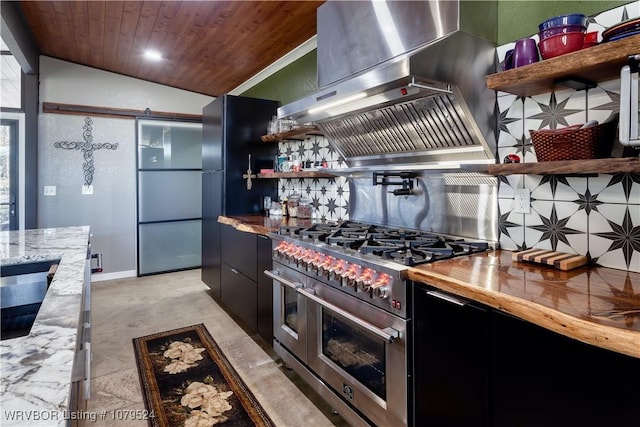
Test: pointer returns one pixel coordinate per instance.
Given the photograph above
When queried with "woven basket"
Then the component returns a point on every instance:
(574, 144)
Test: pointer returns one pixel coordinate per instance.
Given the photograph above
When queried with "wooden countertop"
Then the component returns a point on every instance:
(261, 224)
(596, 305)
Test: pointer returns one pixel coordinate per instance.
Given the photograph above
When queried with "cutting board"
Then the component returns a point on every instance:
(560, 260)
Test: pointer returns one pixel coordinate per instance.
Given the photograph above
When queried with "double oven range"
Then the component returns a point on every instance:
(342, 311)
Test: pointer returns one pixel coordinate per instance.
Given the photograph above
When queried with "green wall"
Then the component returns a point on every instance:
(516, 19)
(293, 82)
(520, 18)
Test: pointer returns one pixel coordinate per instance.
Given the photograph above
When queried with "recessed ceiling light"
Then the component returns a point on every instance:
(153, 55)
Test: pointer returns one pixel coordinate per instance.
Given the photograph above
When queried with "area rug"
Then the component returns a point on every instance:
(187, 381)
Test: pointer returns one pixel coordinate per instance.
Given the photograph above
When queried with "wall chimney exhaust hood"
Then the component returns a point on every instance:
(403, 84)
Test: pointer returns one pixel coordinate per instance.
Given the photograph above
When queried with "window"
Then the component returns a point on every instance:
(11, 80)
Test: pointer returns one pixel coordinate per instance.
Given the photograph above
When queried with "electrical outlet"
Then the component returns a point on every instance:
(49, 190)
(522, 201)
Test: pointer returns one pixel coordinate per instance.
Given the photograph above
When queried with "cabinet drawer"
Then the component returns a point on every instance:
(239, 250)
(239, 296)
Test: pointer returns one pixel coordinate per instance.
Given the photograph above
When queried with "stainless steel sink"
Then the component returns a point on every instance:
(21, 295)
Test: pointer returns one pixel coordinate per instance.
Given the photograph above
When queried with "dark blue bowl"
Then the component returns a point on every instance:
(564, 20)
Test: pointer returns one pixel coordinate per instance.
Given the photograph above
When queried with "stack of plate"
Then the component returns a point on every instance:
(624, 29)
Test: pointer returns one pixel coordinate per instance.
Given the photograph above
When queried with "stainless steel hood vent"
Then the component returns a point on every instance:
(430, 132)
(427, 108)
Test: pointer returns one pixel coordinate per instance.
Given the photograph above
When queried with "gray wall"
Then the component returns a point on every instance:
(111, 210)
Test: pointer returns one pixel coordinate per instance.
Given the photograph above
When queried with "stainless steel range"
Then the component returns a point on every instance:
(342, 311)
(412, 107)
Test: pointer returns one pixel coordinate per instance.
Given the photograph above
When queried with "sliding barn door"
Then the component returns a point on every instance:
(169, 195)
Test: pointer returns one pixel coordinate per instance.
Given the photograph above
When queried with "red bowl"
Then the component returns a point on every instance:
(590, 39)
(560, 44)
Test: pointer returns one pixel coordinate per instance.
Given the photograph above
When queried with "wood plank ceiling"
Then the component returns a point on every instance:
(208, 47)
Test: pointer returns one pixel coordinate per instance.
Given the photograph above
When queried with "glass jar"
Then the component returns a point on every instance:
(292, 205)
(304, 209)
(276, 209)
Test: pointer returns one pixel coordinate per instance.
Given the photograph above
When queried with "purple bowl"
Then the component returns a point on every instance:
(561, 30)
(563, 21)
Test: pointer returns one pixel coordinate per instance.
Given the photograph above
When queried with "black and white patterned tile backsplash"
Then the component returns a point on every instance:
(329, 196)
(595, 215)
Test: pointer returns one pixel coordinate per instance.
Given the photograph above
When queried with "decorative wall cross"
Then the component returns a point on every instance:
(249, 175)
(87, 147)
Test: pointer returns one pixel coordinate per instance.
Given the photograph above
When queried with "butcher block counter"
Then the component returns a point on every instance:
(595, 305)
(260, 224)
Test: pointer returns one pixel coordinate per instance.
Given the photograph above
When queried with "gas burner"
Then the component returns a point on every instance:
(409, 256)
(317, 232)
(401, 234)
(463, 247)
(345, 242)
(355, 226)
(315, 235)
(290, 230)
(377, 246)
(349, 238)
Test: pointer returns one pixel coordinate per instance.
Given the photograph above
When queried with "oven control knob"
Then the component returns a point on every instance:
(381, 292)
(365, 279)
(364, 286)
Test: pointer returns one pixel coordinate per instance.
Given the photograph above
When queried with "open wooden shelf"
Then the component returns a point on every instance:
(569, 167)
(303, 174)
(299, 134)
(578, 70)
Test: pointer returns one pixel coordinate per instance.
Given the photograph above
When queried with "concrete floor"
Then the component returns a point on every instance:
(128, 308)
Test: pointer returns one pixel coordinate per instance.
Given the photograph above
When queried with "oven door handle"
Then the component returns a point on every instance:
(275, 275)
(387, 334)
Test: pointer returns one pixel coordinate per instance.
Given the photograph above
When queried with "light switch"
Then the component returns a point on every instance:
(87, 189)
(49, 190)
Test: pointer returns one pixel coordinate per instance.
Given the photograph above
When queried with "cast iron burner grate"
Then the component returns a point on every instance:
(408, 256)
(317, 232)
(419, 248)
(290, 230)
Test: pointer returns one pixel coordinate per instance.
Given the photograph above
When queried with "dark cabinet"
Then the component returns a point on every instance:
(450, 360)
(478, 366)
(265, 290)
(246, 293)
(240, 251)
(239, 296)
(231, 130)
(540, 378)
(211, 209)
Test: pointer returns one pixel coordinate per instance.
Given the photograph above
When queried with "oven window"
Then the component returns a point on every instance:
(291, 308)
(359, 354)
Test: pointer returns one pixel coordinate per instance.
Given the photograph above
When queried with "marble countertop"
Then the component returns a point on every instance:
(37, 368)
(596, 305)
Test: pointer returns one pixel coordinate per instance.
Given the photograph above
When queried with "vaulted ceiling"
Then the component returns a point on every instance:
(207, 47)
